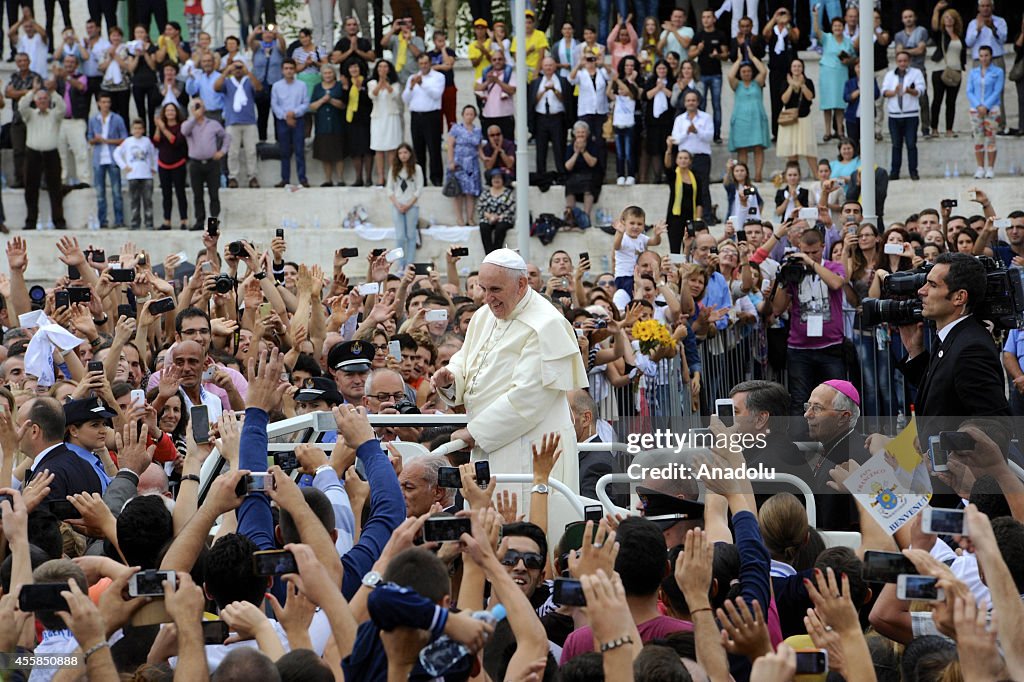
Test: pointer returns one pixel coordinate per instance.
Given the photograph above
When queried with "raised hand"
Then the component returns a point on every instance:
(17, 254)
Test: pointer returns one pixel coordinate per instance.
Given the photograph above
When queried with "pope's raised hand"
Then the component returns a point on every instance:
(443, 378)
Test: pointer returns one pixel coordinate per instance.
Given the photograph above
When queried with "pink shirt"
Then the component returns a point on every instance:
(582, 640)
(619, 50)
(497, 102)
(241, 385)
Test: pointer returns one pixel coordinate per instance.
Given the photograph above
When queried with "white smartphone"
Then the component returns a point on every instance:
(436, 316)
(919, 588)
(938, 456)
(972, 195)
(676, 258)
(893, 249)
(208, 373)
(395, 350)
(725, 410)
(943, 521)
(810, 214)
(138, 397)
(1001, 223)
(394, 254)
(369, 288)
(182, 257)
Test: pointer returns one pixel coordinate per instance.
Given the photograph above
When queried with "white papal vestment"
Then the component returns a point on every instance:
(512, 376)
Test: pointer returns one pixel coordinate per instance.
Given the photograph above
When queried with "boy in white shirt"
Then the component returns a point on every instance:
(630, 242)
(136, 156)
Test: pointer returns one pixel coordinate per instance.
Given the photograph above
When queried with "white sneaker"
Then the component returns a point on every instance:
(622, 181)
(980, 173)
(990, 173)
(631, 180)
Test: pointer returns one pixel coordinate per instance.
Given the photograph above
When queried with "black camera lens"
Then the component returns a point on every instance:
(237, 248)
(877, 311)
(406, 406)
(223, 284)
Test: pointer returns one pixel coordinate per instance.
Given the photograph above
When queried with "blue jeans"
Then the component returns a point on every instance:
(291, 140)
(625, 153)
(903, 130)
(875, 373)
(99, 176)
(605, 18)
(644, 9)
(810, 367)
(405, 233)
(713, 85)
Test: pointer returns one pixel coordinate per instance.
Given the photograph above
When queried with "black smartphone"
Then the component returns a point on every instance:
(584, 256)
(885, 567)
(200, 419)
(42, 597)
(449, 477)
(150, 583)
(568, 592)
(377, 253)
(9, 498)
(141, 259)
(79, 294)
(483, 472)
(460, 251)
(161, 305)
(956, 440)
(350, 252)
(422, 268)
(62, 509)
(213, 226)
(125, 310)
(593, 512)
(73, 272)
(280, 233)
(123, 275)
(446, 528)
(94, 366)
(274, 562)
(215, 631)
(691, 231)
(98, 256)
(741, 235)
(948, 203)
(61, 298)
(812, 662)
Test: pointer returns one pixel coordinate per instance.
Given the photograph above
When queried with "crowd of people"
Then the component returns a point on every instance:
(640, 85)
(151, 529)
(116, 390)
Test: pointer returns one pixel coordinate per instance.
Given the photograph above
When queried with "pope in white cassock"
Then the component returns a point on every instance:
(518, 362)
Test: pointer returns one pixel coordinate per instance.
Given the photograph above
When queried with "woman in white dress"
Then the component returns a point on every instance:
(386, 117)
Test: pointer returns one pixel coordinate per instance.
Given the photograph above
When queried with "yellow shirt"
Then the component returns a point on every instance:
(534, 44)
(484, 57)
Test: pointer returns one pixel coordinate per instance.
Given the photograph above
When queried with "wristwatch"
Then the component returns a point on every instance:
(260, 275)
(541, 488)
(372, 579)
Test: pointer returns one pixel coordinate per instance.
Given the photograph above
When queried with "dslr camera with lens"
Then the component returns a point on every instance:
(406, 406)
(899, 303)
(224, 284)
(237, 248)
(793, 270)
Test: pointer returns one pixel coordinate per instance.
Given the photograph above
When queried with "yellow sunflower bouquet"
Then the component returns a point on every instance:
(652, 334)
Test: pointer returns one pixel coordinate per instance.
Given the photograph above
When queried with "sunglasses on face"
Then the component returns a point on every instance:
(532, 560)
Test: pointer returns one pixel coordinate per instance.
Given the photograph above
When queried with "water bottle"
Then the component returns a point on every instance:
(901, 421)
(948, 173)
(444, 652)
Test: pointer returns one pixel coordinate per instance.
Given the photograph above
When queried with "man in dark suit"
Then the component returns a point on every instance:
(962, 376)
(549, 107)
(41, 436)
(593, 465)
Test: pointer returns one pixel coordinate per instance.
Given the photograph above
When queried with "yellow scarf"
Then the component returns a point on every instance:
(403, 55)
(353, 99)
(165, 43)
(677, 202)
